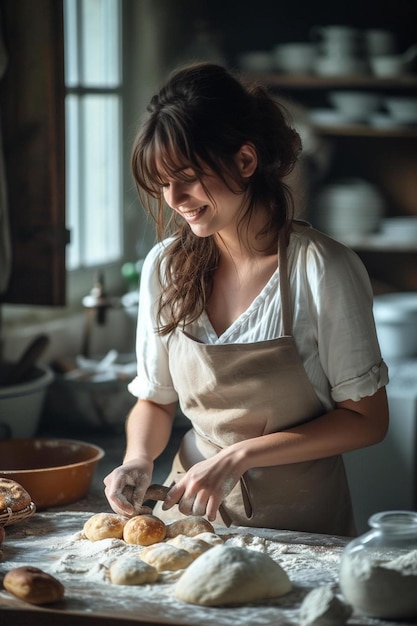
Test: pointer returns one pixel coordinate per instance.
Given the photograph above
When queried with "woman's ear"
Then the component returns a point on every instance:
(247, 159)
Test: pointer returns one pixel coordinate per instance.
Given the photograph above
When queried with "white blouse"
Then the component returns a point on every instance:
(333, 324)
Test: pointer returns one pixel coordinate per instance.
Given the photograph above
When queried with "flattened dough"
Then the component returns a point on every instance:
(131, 570)
(166, 558)
(194, 545)
(231, 575)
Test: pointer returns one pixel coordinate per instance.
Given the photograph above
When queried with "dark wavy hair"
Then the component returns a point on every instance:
(199, 119)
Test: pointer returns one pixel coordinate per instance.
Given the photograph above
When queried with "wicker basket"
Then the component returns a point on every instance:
(9, 517)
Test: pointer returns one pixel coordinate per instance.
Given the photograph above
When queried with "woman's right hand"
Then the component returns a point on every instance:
(126, 485)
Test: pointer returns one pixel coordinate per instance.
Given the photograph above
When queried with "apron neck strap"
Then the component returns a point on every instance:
(284, 285)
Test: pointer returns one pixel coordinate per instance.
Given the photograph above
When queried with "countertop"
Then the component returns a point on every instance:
(53, 541)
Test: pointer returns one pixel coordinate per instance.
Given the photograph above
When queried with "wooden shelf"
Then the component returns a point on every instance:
(310, 81)
(363, 130)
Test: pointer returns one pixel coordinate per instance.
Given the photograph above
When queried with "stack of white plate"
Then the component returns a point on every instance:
(349, 207)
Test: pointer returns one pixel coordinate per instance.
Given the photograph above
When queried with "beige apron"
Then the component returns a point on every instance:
(232, 392)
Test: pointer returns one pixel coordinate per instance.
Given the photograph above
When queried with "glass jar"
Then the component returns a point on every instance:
(378, 570)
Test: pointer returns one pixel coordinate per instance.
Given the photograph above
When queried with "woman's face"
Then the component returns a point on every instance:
(208, 205)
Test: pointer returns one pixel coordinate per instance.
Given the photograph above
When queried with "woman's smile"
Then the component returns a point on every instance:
(190, 214)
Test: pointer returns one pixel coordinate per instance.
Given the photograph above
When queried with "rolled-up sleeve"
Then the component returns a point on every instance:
(348, 348)
(153, 380)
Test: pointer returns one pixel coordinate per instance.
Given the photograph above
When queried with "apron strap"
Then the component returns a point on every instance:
(284, 285)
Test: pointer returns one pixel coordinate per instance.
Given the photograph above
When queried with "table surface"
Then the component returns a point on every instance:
(53, 541)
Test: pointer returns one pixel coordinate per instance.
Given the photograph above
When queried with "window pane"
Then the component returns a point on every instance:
(71, 43)
(101, 196)
(100, 43)
(93, 180)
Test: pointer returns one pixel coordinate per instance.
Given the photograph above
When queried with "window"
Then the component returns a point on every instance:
(93, 111)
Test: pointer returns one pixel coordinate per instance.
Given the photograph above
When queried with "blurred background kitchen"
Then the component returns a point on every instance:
(74, 78)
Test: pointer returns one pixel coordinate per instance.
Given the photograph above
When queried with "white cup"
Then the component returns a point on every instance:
(379, 42)
(334, 33)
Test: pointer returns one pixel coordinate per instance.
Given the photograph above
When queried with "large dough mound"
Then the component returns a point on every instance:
(231, 575)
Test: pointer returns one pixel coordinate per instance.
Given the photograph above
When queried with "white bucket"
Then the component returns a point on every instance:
(396, 324)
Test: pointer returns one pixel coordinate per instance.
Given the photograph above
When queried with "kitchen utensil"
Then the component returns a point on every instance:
(53, 471)
(18, 371)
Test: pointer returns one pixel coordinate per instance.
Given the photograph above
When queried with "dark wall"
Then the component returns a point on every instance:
(261, 24)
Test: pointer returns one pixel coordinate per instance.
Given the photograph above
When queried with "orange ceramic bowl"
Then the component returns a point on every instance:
(53, 471)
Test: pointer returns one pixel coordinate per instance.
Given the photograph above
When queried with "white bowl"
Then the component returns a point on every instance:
(396, 323)
(387, 65)
(400, 229)
(21, 405)
(403, 109)
(340, 65)
(355, 105)
(294, 58)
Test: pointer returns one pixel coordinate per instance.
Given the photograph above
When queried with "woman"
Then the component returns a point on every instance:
(258, 324)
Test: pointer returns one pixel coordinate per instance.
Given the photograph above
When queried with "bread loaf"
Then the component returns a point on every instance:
(33, 585)
(144, 530)
(13, 496)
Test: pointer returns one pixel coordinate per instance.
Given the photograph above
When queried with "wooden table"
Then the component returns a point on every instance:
(52, 542)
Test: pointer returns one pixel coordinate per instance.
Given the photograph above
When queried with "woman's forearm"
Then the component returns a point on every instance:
(350, 426)
(148, 429)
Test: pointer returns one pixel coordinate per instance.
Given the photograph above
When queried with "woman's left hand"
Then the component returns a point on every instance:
(206, 484)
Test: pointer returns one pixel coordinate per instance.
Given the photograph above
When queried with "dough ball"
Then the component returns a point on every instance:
(104, 526)
(131, 570)
(321, 607)
(190, 526)
(33, 585)
(144, 530)
(194, 545)
(166, 558)
(13, 496)
(230, 575)
(211, 538)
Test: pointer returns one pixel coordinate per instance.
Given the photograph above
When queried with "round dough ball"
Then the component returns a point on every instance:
(104, 526)
(132, 570)
(33, 585)
(194, 545)
(13, 496)
(166, 558)
(144, 530)
(230, 575)
(190, 526)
